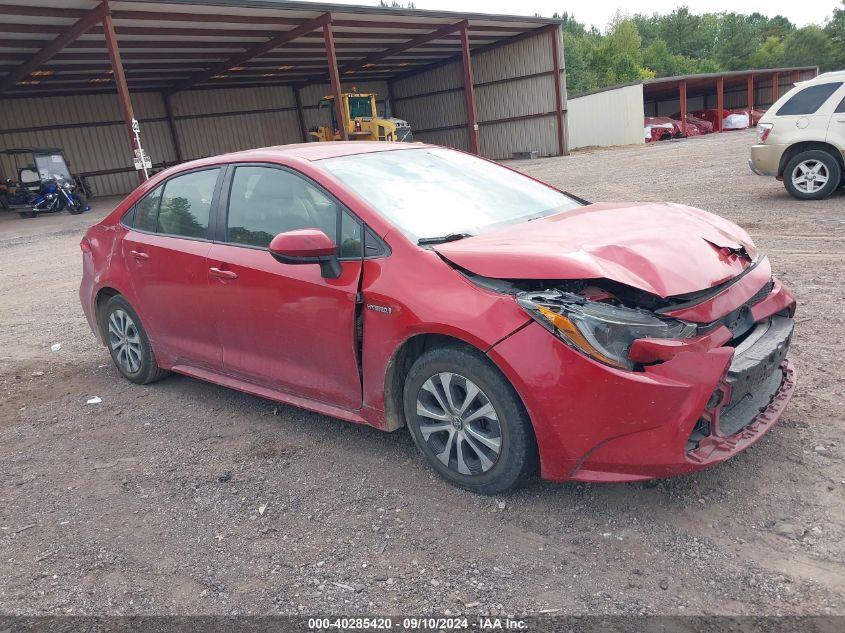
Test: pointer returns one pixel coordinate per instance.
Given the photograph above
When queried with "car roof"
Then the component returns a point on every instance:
(296, 151)
(320, 151)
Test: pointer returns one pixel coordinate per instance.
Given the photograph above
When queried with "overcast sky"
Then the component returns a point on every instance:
(599, 12)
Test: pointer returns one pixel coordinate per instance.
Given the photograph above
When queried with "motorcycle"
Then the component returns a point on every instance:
(56, 195)
(45, 183)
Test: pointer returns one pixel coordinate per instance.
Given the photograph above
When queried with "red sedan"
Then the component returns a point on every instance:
(508, 325)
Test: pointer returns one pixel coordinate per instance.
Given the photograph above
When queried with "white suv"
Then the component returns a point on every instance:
(801, 138)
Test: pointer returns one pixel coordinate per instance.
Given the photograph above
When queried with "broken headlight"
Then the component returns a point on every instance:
(602, 331)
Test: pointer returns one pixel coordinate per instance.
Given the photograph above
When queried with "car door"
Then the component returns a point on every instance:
(836, 129)
(165, 251)
(284, 325)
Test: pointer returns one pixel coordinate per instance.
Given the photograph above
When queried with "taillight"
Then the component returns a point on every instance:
(763, 130)
(85, 245)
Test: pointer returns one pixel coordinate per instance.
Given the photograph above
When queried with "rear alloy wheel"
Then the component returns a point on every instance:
(812, 175)
(124, 341)
(128, 343)
(468, 421)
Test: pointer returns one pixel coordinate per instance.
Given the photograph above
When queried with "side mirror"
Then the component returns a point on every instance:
(307, 246)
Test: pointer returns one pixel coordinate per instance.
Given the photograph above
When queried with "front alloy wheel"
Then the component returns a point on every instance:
(468, 421)
(459, 424)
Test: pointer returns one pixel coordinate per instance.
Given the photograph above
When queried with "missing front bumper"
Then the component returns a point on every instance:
(753, 381)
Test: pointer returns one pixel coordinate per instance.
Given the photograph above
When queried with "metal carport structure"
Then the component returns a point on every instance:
(613, 115)
(743, 88)
(171, 62)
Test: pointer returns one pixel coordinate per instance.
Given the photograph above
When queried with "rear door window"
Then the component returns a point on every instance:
(186, 204)
(841, 107)
(808, 100)
(146, 211)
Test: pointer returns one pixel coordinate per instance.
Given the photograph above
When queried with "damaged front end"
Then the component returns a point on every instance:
(719, 356)
(602, 329)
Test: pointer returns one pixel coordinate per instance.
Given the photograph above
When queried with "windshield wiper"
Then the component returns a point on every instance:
(449, 237)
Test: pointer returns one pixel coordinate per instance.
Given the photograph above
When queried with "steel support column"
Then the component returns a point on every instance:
(561, 141)
(682, 89)
(334, 76)
(720, 103)
(120, 83)
(171, 124)
(750, 97)
(303, 133)
(469, 92)
(775, 87)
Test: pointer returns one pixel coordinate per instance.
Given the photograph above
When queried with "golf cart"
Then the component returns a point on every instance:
(44, 183)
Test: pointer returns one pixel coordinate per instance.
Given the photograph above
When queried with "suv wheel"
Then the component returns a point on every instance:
(468, 421)
(128, 343)
(812, 175)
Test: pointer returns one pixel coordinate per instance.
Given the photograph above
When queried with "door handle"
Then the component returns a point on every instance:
(222, 274)
(139, 255)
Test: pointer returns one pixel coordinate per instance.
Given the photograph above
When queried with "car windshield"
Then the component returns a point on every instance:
(52, 166)
(432, 193)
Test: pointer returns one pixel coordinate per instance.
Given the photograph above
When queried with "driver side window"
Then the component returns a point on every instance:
(265, 201)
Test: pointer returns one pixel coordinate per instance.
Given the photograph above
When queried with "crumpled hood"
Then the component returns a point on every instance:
(664, 249)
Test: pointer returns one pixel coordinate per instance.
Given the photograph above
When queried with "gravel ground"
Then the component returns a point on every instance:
(184, 497)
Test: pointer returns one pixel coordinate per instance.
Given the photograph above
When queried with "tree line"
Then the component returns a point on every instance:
(641, 46)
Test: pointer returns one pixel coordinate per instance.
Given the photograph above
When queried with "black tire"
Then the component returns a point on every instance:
(147, 370)
(517, 459)
(78, 206)
(831, 165)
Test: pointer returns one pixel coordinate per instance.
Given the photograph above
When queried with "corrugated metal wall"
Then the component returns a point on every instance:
(514, 95)
(208, 122)
(211, 122)
(91, 132)
(603, 119)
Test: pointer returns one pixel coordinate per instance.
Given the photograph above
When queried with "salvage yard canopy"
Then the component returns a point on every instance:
(194, 78)
(51, 47)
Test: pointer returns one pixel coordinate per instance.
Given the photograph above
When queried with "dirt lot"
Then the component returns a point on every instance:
(120, 508)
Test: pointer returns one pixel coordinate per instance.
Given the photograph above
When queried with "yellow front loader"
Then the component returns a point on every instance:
(361, 121)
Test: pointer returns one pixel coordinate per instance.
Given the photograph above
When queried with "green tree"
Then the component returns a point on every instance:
(769, 55)
(680, 43)
(688, 34)
(648, 26)
(736, 42)
(835, 30)
(664, 64)
(777, 26)
(809, 46)
(617, 58)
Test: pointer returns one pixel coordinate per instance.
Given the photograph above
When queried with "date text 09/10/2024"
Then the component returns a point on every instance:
(483, 623)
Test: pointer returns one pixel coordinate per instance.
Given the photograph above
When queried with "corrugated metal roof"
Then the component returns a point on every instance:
(669, 82)
(167, 42)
